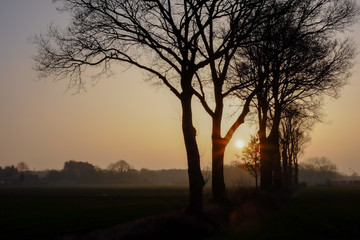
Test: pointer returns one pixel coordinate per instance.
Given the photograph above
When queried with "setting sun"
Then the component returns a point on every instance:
(239, 143)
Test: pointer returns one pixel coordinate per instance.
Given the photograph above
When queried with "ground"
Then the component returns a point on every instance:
(121, 212)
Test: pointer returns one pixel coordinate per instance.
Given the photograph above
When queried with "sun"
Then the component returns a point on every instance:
(239, 143)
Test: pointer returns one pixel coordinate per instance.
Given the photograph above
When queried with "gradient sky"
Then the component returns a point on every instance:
(123, 117)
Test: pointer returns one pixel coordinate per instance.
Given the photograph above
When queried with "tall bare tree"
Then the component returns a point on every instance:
(226, 35)
(105, 31)
(180, 38)
(237, 33)
(299, 59)
(295, 130)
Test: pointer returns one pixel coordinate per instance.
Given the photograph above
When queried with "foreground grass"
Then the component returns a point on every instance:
(47, 213)
(313, 213)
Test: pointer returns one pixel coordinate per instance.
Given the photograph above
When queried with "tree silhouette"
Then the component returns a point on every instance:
(22, 167)
(318, 170)
(164, 38)
(297, 61)
(294, 134)
(247, 16)
(250, 158)
(80, 171)
(120, 166)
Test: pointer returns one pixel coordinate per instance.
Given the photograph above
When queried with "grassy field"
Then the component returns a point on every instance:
(313, 213)
(45, 213)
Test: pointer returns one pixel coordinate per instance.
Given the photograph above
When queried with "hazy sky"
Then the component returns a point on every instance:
(123, 117)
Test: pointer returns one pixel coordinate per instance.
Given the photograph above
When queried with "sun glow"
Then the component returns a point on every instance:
(239, 143)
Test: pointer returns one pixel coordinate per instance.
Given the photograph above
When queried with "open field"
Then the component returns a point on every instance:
(45, 213)
(313, 213)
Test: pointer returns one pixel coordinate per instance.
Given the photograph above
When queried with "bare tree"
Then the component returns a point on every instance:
(250, 157)
(164, 38)
(22, 167)
(298, 61)
(246, 19)
(120, 166)
(294, 135)
(318, 170)
(228, 37)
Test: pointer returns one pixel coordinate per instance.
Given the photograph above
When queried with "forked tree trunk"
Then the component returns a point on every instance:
(218, 151)
(196, 181)
(218, 144)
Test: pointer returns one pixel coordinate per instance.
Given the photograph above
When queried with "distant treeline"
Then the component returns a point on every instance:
(313, 171)
(84, 173)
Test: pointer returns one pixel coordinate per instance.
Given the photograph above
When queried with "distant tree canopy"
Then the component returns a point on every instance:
(79, 170)
(319, 164)
(317, 171)
(11, 175)
(120, 166)
(22, 167)
(9, 172)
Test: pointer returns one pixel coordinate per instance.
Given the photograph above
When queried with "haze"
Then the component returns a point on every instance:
(123, 116)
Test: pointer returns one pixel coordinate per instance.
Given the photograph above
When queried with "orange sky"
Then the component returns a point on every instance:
(122, 117)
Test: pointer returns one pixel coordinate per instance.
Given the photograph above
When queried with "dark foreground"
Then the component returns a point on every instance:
(48, 213)
(100, 213)
(313, 213)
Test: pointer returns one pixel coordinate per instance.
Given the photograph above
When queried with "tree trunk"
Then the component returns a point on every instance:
(290, 171)
(266, 178)
(277, 164)
(265, 164)
(218, 182)
(274, 149)
(285, 164)
(296, 172)
(196, 180)
(274, 136)
(218, 143)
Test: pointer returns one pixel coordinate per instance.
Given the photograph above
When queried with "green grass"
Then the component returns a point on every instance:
(313, 213)
(45, 213)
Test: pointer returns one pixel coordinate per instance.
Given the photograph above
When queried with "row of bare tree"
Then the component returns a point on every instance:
(269, 56)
